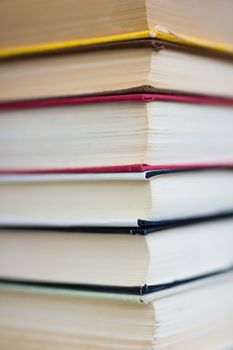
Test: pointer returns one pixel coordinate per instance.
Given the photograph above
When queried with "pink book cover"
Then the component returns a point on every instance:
(146, 98)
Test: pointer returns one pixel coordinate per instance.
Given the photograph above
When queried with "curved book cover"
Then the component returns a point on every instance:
(118, 97)
(99, 291)
(158, 32)
(144, 227)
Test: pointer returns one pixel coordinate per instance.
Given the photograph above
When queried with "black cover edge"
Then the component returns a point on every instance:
(153, 173)
(142, 231)
(166, 286)
(164, 224)
(136, 290)
(145, 227)
(73, 229)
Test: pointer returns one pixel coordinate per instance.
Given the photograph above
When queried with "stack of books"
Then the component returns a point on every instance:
(116, 175)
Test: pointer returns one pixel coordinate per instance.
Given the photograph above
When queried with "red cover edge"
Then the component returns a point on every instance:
(51, 102)
(117, 169)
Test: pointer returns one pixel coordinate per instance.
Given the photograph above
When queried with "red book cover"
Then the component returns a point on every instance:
(51, 102)
(146, 98)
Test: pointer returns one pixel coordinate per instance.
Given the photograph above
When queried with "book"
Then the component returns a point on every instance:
(142, 66)
(32, 27)
(114, 199)
(115, 133)
(194, 316)
(116, 260)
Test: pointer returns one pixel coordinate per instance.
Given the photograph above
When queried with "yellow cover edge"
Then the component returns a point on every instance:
(163, 33)
(29, 50)
(158, 32)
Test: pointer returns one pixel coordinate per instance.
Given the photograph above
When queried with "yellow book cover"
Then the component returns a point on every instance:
(158, 32)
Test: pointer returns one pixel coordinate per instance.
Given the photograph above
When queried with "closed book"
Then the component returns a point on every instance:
(141, 66)
(193, 316)
(114, 199)
(116, 133)
(30, 27)
(130, 259)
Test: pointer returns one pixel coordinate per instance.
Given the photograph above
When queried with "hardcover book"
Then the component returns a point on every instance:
(114, 199)
(30, 26)
(194, 316)
(141, 66)
(115, 134)
(129, 259)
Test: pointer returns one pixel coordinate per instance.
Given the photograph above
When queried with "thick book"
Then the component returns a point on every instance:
(197, 315)
(133, 66)
(31, 27)
(116, 133)
(129, 259)
(114, 199)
